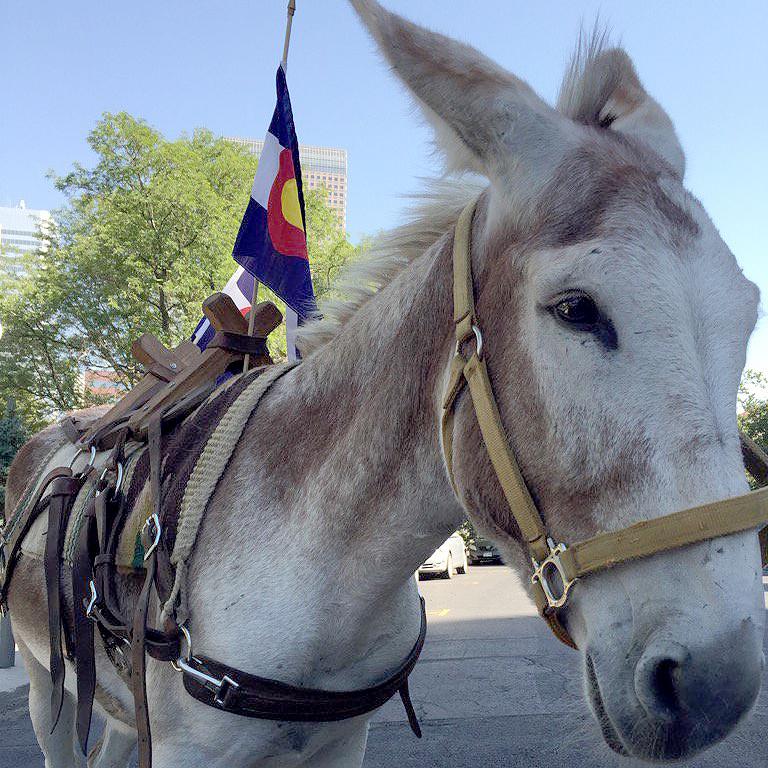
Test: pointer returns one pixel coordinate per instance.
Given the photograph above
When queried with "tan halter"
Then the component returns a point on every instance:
(572, 562)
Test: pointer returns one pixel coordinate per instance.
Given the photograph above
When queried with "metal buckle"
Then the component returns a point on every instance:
(220, 688)
(91, 601)
(540, 575)
(118, 482)
(478, 342)
(154, 531)
(81, 451)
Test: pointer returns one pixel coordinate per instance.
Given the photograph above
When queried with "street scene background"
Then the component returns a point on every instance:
(492, 688)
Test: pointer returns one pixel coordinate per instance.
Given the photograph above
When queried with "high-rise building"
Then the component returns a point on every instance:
(320, 167)
(20, 229)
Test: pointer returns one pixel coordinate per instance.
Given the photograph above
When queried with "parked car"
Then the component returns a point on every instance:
(483, 551)
(449, 558)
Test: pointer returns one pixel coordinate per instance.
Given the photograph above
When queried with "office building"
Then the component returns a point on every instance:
(20, 229)
(320, 167)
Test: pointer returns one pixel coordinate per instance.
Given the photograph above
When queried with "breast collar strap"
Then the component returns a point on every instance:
(548, 558)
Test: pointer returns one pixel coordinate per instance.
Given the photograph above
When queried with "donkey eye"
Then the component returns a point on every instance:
(578, 310)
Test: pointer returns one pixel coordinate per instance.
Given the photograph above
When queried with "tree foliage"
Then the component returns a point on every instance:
(145, 236)
(753, 407)
(12, 437)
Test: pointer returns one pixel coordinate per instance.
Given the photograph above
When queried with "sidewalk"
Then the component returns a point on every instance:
(13, 678)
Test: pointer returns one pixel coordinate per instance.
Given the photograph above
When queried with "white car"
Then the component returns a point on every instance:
(449, 558)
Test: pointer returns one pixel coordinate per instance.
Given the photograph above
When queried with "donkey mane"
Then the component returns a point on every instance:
(584, 92)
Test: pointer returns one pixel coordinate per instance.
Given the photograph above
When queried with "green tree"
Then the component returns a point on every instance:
(753, 407)
(145, 236)
(12, 437)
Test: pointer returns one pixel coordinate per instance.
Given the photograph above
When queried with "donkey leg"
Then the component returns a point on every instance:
(57, 747)
(115, 746)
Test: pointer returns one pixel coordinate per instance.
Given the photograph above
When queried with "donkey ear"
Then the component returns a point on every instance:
(622, 104)
(485, 119)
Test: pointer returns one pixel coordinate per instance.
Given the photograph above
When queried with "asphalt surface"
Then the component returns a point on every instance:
(492, 688)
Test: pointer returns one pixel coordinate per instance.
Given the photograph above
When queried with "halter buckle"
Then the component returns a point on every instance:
(478, 341)
(540, 575)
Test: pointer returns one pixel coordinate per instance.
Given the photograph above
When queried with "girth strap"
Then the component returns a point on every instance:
(231, 690)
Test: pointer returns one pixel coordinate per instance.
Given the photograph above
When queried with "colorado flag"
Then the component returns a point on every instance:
(272, 242)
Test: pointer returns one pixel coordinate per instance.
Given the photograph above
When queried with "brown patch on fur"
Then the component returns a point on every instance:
(598, 183)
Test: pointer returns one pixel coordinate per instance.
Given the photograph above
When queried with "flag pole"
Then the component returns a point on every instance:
(255, 293)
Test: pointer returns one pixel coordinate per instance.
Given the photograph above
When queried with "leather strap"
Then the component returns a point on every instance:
(238, 692)
(138, 639)
(85, 661)
(63, 493)
(21, 521)
(239, 343)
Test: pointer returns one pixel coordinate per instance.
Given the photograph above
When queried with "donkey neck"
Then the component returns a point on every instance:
(373, 396)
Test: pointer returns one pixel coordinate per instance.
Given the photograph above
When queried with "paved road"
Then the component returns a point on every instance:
(492, 689)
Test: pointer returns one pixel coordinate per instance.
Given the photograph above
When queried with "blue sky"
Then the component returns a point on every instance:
(182, 65)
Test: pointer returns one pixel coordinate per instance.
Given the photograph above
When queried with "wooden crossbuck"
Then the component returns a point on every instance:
(173, 374)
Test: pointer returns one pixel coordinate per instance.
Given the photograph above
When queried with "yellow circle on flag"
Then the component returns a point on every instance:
(289, 200)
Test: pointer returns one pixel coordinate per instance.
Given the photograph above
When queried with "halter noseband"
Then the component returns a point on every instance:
(572, 562)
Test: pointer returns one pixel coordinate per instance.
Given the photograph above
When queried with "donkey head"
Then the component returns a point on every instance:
(615, 326)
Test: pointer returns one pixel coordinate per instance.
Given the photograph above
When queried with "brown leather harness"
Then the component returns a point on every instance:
(125, 634)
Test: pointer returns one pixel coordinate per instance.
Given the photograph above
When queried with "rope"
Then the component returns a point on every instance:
(208, 471)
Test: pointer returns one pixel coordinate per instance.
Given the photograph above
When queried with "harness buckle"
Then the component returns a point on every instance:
(152, 530)
(81, 450)
(221, 688)
(542, 572)
(92, 600)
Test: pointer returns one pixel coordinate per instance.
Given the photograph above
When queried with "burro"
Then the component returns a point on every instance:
(555, 351)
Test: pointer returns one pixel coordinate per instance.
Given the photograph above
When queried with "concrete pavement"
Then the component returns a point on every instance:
(493, 688)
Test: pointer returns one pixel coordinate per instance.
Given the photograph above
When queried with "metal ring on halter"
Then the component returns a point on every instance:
(188, 638)
(540, 575)
(478, 341)
(81, 451)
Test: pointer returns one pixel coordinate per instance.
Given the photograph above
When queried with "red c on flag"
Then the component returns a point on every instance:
(286, 228)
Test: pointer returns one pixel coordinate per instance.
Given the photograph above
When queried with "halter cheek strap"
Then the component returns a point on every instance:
(569, 563)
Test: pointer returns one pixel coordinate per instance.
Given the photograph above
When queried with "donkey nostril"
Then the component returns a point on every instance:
(666, 683)
(658, 684)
